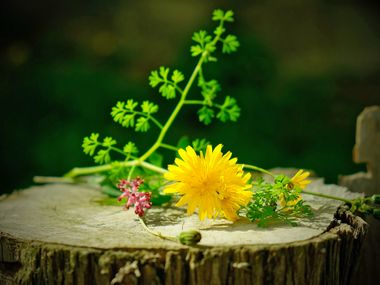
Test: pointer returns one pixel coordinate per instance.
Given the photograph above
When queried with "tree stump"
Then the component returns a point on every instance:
(59, 234)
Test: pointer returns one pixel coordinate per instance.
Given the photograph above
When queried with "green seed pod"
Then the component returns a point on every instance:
(191, 237)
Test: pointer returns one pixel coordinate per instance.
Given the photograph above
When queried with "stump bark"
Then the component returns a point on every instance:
(59, 234)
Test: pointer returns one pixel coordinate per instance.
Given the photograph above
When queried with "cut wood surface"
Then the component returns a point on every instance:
(59, 234)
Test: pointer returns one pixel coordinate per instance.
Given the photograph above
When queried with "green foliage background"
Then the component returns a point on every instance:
(302, 74)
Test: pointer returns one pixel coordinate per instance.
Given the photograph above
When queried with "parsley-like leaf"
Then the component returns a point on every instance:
(177, 76)
(103, 156)
(209, 90)
(205, 115)
(142, 124)
(229, 111)
(108, 142)
(275, 203)
(219, 30)
(183, 142)
(196, 50)
(168, 87)
(229, 16)
(204, 43)
(149, 107)
(220, 15)
(154, 79)
(123, 113)
(202, 37)
(230, 44)
(168, 91)
(164, 71)
(131, 148)
(200, 144)
(90, 143)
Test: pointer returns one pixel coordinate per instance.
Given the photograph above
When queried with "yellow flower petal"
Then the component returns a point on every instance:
(299, 179)
(212, 183)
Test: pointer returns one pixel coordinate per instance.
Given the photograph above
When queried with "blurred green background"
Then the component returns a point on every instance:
(304, 71)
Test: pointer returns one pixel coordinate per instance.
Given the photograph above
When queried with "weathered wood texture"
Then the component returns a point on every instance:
(57, 234)
(367, 150)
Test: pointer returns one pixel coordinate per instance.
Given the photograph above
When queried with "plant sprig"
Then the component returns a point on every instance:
(141, 116)
(275, 203)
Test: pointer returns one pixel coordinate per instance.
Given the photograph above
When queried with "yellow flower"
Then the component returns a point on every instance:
(299, 179)
(213, 183)
(289, 203)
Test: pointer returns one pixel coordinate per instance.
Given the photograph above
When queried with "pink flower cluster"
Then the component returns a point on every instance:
(141, 200)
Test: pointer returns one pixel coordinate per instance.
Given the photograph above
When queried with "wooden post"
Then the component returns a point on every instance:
(59, 234)
(367, 150)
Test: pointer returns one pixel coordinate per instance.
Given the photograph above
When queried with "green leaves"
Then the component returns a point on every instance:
(220, 15)
(202, 37)
(275, 203)
(91, 143)
(209, 90)
(130, 148)
(177, 76)
(142, 124)
(229, 111)
(197, 144)
(200, 145)
(103, 156)
(230, 44)
(125, 114)
(168, 87)
(205, 115)
(149, 108)
(206, 44)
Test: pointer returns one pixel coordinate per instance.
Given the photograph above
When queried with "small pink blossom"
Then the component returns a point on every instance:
(140, 200)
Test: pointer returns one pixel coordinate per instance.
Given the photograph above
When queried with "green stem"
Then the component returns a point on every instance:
(327, 196)
(131, 172)
(78, 171)
(194, 102)
(118, 150)
(179, 89)
(176, 110)
(154, 120)
(157, 234)
(252, 167)
(200, 102)
(51, 179)
(168, 146)
(174, 85)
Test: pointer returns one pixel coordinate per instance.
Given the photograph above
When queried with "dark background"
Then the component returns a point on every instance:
(303, 73)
